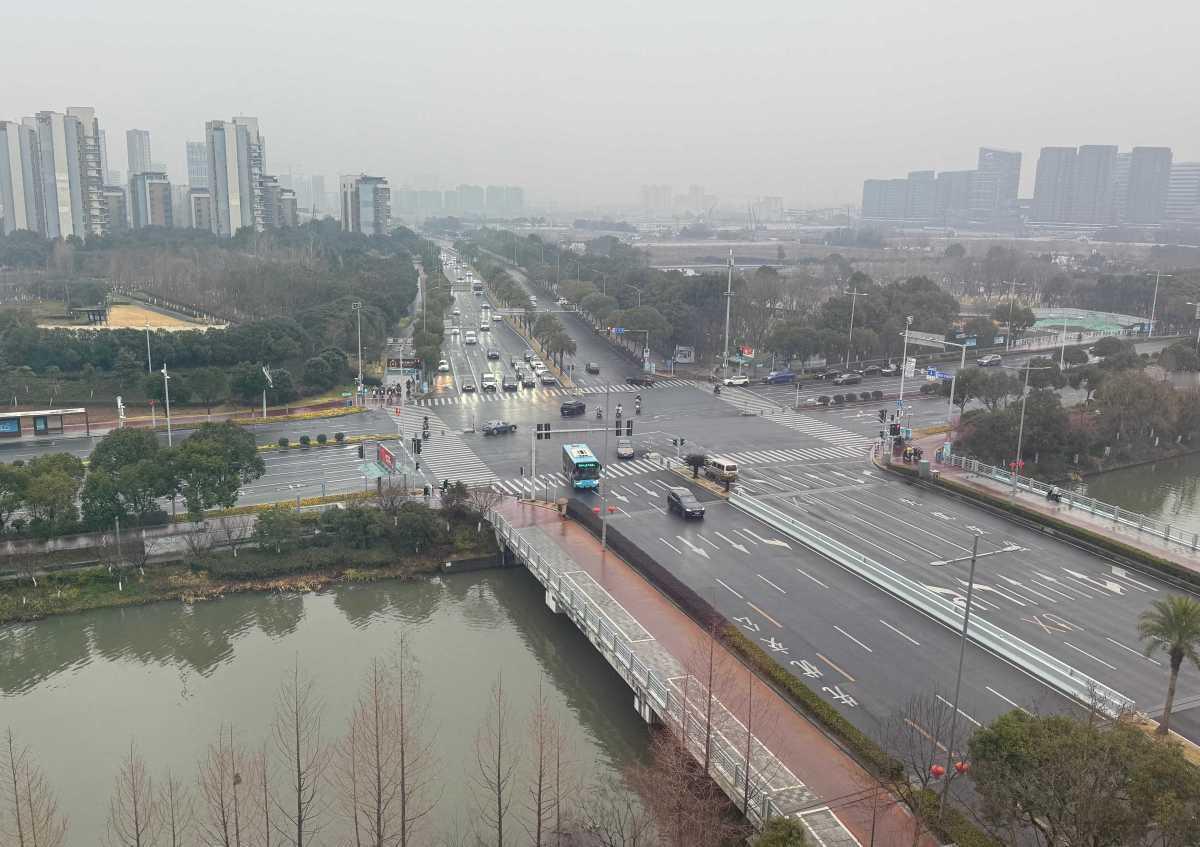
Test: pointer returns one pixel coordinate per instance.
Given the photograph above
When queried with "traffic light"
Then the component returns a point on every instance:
(543, 431)
(882, 415)
(617, 428)
(361, 453)
(895, 429)
(628, 428)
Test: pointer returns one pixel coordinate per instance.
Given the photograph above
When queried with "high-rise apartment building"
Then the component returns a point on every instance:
(279, 203)
(657, 199)
(236, 157)
(95, 211)
(1121, 186)
(995, 185)
(197, 164)
(150, 200)
(1095, 183)
(137, 143)
(366, 204)
(1054, 185)
(117, 204)
(1149, 175)
(20, 196)
(201, 209)
(472, 199)
(1183, 193)
(922, 194)
(104, 171)
(952, 195)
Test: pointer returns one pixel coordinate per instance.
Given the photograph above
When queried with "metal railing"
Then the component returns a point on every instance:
(1076, 502)
(1040, 664)
(590, 618)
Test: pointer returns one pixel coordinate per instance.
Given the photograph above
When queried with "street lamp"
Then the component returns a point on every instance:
(1158, 275)
(149, 367)
(962, 363)
(357, 307)
(728, 300)
(1021, 427)
(639, 294)
(904, 364)
(854, 295)
(1197, 305)
(167, 398)
(1012, 299)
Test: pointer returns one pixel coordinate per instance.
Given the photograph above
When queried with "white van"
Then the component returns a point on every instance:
(720, 469)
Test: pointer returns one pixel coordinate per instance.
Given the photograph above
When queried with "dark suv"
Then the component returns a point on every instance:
(571, 408)
(684, 502)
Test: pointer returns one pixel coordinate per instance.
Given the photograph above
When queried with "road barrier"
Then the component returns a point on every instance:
(1072, 501)
(1038, 663)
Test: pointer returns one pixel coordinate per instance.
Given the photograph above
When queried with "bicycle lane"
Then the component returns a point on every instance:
(825, 769)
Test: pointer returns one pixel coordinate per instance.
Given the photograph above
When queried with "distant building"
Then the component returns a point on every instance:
(150, 200)
(181, 207)
(1121, 187)
(289, 209)
(67, 173)
(197, 164)
(657, 199)
(117, 207)
(105, 174)
(137, 142)
(995, 185)
(236, 157)
(921, 196)
(450, 202)
(20, 190)
(200, 209)
(952, 195)
(472, 199)
(1054, 185)
(1149, 176)
(320, 200)
(1183, 193)
(885, 199)
(1095, 184)
(366, 204)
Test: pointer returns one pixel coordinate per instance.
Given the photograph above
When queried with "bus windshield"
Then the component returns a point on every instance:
(580, 466)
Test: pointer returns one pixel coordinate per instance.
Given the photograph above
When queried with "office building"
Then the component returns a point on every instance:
(472, 199)
(289, 208)
(181, 206)
(952, 195)
(200, 209)
(236, 158)
(366, 204)
(656, 199)
(921, 196)
(137, 142)
(885, 199)
(117, 206)
(995, 184)
(150, 200)
(197, 164)
(1183, 193)
(1149, 176)
(1054, 185)
(1095, 183)
(20, 196)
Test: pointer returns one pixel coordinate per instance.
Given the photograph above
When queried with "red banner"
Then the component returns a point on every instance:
(387, 458)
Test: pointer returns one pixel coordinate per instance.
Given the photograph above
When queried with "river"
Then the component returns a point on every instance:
(77, 689)
(1168, 491)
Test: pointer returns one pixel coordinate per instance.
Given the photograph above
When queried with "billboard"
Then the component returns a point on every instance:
(387, 458)
(10, 426)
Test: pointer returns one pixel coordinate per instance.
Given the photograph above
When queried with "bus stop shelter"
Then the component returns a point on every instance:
(42, 422)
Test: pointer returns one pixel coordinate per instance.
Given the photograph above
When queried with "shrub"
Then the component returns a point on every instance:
(339, 437)
(305, 441)
(838, 399)
(877, 395)
(864, 395)
(823, 400)
(283, 441)
(322, 438)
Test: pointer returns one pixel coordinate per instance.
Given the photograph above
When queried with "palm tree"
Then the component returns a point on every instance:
(1172, 626)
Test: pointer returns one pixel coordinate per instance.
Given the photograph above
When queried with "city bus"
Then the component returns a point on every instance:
(581, 466)
(477, 287)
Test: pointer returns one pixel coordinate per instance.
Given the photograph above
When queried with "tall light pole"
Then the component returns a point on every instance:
(149, 367)
(1158, 275)
(167, 398)
(728, 300)
(1012, 300)
(1017, 464)
(357, 307)
(962, 363)
(854, 295)
(270, 384)
(904, 365)
(639, 294)
(1197, 305)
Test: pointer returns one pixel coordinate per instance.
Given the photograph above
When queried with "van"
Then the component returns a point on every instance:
(719, 469)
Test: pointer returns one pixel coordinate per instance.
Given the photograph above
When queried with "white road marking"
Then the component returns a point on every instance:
(813, 578)
(732, 544)
(1119, 573)
(1024, 587)
(852, 638)
(1049, 578)
(730, 590)
(772, 541)
(1107, 584)
(865, 541)
(1012, 703)
(907, 541)
(901, 634)
(706, 541)
(960, 711)
(698, 550)
(1090, 656)
(1131, 650)
(773, 585)
(644, 488)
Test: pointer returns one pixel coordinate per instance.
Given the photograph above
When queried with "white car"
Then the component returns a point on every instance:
(497, 318)
(737, 379)
(457, 311)
(443, 367)
(537, 365)
(470, 338)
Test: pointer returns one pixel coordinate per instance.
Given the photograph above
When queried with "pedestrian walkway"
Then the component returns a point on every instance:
(823, 431)
(537, 395)
(810, 454)
(445, 455)
(806, 774)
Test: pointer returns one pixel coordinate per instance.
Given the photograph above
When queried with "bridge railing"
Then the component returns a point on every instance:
(1040, 664)
(595, 623)
(1077, 502)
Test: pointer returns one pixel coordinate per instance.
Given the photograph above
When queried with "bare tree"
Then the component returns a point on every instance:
(496, 760)
(612, 815)
(390, 499)
(540, 810)
(134, 818)
(199, 542)
(29, 814)
(483, 500)
(225, 808)
(235, 530)
(261, 800)
(296, 734)
(178, 812)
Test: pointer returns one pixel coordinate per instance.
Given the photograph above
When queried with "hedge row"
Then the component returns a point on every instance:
(255, 564)
(954, 827)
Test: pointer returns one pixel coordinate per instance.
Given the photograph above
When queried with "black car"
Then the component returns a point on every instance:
(493, 354)
(832, 373)
(509, 383)
(571, 408)
(498, 428)
(684, 502)
(592, 368)
(872, 370)
(643, 379)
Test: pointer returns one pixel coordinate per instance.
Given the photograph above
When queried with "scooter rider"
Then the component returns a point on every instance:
(599, 413)
(619, 410)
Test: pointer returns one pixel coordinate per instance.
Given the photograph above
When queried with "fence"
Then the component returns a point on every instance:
(1039, 664)
(1119, 517)
(600, 631)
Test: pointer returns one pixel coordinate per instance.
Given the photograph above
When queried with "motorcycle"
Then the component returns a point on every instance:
(637, 409)
(717, 390)
(599, 414)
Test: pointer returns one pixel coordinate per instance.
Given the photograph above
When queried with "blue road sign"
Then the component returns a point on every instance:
(618, 330)
(899, 404)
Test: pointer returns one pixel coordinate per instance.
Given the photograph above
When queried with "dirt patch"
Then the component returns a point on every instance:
(134, 316)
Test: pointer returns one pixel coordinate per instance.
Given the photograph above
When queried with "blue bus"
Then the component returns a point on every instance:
(581, 466)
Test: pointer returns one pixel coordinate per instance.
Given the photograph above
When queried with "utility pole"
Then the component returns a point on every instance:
(1158, 275)
(962, 655)
(149, 367)
(1197, 305)
(357, 307)
(854, 295)
(904, 367)
(270, 384)
(728, 299)
(167, 398)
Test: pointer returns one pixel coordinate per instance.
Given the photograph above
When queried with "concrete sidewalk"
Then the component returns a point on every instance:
(813, 777)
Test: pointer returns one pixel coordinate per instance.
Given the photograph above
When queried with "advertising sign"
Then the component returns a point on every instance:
(394, 364)
(10, 426)
(910, 367)
(387, 458)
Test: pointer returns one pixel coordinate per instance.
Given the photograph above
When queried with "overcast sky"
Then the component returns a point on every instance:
(584, 102)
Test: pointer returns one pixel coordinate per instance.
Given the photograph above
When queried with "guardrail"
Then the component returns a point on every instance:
(596, 625)
(1105, 511)
(1054, 672)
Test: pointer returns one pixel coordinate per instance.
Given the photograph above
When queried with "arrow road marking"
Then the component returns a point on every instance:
(808, 668)
(771, 541)
(620, 497)
(732, 544)
(692, 546)
(841, 696)
(976, 530)
(1115, 587)
(672, 546)
(943, 516)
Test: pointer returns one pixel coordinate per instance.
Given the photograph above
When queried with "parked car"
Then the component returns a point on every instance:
(509, 383)
(779, 377)
(497, 318)
(498, 428)
(737, 379)
(890, 369)
(847, 379)
(493, 353)
(571, 408)
(991, 360)
(592, 368)
(624, 448)
(443, 367)
(684, 502)
(640, 379)
(528, 355)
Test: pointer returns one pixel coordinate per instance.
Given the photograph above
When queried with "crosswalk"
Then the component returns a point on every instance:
(614, 470)
(749, 401)
(446, 455)
(535, 395)
(821, 430)
(809, 454)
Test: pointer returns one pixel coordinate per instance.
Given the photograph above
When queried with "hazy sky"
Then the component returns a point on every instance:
(583, 103)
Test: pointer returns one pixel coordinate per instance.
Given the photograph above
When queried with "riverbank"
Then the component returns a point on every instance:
(214, 575)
